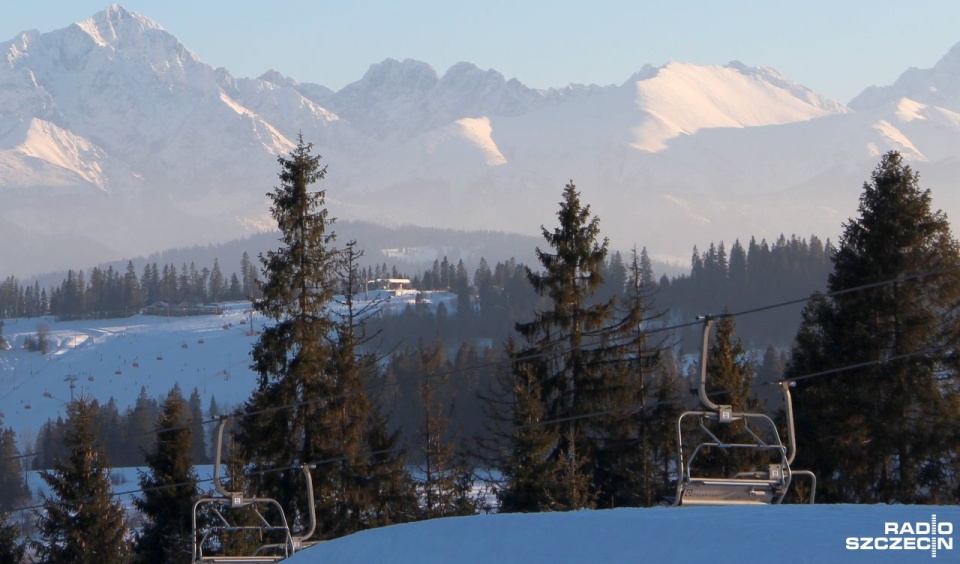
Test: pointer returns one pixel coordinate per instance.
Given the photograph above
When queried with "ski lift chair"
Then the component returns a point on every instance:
(222, 507)
(762, 486)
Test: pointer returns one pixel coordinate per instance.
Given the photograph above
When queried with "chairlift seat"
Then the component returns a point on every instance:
(731, 491)
(241, 559)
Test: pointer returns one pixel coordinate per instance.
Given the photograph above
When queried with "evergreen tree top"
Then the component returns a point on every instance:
(896, 230)
(573, 272)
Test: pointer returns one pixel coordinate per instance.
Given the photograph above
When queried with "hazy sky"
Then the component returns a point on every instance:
(835, 47)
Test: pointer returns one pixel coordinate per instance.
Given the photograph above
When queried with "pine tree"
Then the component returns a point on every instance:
(216, 282)
(626, 470)
(887, 432)
(293, 357)
(346, 499)
(235, 291)
(132, 293)
(119, 449)
(199, 439)
(139, 426)
(444, 469)
(661, 421)
(523, 456)
(13, 491)
(80, 521)
(12, 549)
(391, 495)
(169, 488)
(13, 486)
(573, 363)
(249, 278)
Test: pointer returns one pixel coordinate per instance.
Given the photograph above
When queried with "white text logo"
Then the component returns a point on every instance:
(933, 536)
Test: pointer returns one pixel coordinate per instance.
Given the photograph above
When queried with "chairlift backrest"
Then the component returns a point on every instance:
(221, 503)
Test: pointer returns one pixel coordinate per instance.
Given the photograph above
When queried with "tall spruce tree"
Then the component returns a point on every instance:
(446, 475)
(524, 452)
(632, 475)
(169, 488)
(572, 362)
(13, 485)
(81, 521)
(886, 432)
(293, 356)
(347, 490)
(660, 423)
(13, 491)
(197, 431)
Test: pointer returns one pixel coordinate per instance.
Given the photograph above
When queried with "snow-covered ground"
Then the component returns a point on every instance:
(687, 534)
(117, 357)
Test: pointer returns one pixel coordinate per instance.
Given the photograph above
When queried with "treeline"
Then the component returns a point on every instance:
(106, 293)
(490, 300)
(127, 436)
(759, 275)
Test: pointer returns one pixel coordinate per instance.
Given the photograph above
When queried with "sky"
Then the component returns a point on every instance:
(835, 48)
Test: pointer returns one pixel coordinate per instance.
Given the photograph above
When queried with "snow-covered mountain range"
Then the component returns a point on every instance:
(116, 140)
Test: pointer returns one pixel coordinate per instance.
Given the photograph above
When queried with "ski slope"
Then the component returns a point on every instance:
(117, 357)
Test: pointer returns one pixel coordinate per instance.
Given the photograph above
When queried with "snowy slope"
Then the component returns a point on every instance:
(681, 99)
(117, 357)
(36, 152)
(809, 534)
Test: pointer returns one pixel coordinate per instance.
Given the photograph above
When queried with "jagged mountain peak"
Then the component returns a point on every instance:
(736, 64)
(112, 24)
(936, 86)
(18, 47)
(464, 75)
(647, 71)
(391, 74)
(464, 69)
(951, 61)
(274, 76)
